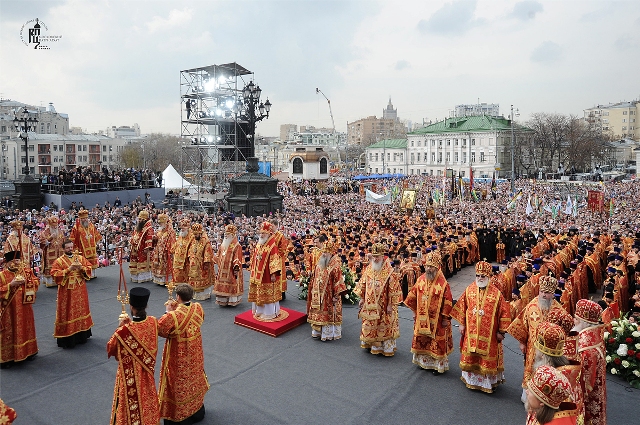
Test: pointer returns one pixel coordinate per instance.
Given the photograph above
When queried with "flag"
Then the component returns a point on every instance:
(470, 178)
(529, 209)
(611, 207)
(377, 199)
(569, 208)
(475, 195)
(514, 200)
(461, 188)
(554, 210)
(575, 206)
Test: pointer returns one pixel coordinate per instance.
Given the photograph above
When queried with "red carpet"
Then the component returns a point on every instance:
(274, 329)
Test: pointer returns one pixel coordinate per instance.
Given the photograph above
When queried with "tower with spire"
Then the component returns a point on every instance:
(389, 113)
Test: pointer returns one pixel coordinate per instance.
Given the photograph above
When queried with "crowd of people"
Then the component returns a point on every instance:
(86, 179)
(535, 271)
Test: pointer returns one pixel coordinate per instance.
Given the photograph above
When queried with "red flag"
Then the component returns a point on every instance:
(470, 178)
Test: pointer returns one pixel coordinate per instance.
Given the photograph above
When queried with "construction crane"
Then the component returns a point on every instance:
(333, 124)
(330, 112)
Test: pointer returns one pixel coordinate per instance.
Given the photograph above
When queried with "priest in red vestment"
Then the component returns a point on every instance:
(200, 271)
(18, 287)
(135, 346)
(324, 295)
(73, 316)
(484, 317)
(431, 302)
(265, 287)
(181, 252)
(592, 355)
(51, 239)
(380, 293)
(547, 391)
(523, 328)
(141, 244)
(163, 240)
(183, 382)
(85, 238)
(229, 285)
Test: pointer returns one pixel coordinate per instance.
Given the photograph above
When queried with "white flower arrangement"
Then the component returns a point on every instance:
(622, 350)
(635, 334)
(614, 371)
(606, 334)
(625, 364)
(608, 359)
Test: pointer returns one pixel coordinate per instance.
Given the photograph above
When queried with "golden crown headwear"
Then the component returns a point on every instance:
(52, 220)
(483, 268)
(185, 222)
(548, 284)
(550, 340)
(378, 249)
(163, 218)
(433, 259)
(329, 247)
(16, 224)
(230, 228)
(83, 214)
(267, 227)
(144, 215)
(196, 227)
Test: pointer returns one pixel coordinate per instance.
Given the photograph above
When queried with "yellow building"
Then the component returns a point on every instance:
(620, 120)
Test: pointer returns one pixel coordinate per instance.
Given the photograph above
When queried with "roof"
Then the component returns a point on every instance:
(70, 137)
(469, 124)
(390, 144)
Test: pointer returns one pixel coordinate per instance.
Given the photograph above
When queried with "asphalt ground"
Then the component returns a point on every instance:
(292, 379)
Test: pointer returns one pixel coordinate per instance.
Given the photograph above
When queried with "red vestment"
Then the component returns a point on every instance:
(594, 374)
(51, 249)
(141, 245)
(228, 285)
(431, 303)
(183, 382)
(17, 326)
(72, 314)
(180, 254)
(161, 256)
(135, 399)
(85, 239)
(327, 283)
(483, 313)
(265, 261)
(525, 327)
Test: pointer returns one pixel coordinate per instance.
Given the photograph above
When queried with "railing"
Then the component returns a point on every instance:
(78, 188)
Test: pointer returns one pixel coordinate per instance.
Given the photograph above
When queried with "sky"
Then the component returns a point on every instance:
(119, 62)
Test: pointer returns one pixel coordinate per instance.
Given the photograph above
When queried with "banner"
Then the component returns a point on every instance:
(377, 199)
(595, 200)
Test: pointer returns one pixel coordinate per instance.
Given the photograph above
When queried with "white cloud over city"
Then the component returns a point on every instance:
(118, 62)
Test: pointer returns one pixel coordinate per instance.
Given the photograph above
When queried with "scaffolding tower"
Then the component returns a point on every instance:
(215, 126)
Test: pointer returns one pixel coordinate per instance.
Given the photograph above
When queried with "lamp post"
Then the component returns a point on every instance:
(256, 111)
(513, 148)
(25, 121)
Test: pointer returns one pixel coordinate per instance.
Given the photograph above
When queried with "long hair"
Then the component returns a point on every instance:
(544, 414)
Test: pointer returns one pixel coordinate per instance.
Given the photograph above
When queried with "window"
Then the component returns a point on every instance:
(481, 156)
(60, 148)
(456, 159)
(388, 157)
(624, 120)
(323, 165)
(419, 143)
(394, 171)
(464, 157)
(412, 143)
(456, 140)
(440, 143)
(433, 157)
(412, 157)
(473, 142)
(376, 169)
(624, 112)
(376, 157)
(448, 142)
(401, 157)
(418, 156)
(433, 142)
(31, 148)
(473, 157)
(439, 156)
(104, 148)
(32, 159)
(448, 156)
(297, 166)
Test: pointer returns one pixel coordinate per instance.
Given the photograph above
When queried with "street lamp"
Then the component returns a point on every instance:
(25, 121)
(256, 110)
(513, 148)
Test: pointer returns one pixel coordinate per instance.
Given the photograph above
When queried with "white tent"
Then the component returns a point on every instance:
(171, 179)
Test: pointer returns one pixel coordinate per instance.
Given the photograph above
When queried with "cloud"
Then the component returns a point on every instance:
(452, 18)
(626, 42)
(547, 53)
(403, 64)
(526, 10)
(176, 18)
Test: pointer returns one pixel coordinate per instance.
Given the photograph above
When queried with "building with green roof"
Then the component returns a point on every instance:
(481, 143)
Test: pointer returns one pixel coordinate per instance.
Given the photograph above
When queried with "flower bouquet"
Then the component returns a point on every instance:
(304, 287)
(349, 296)
(623, 351)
